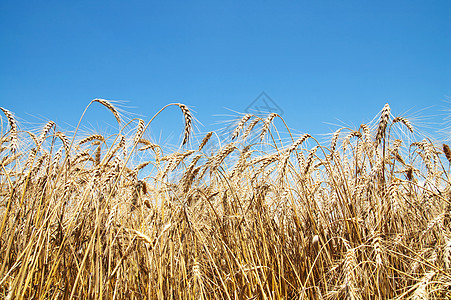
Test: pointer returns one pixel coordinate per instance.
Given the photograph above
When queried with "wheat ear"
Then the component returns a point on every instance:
(250, 127)
(267, 124)
(13, 125)
(139, 131)
(91, 138)
(333, 141)
(447, 152)
(447, 254)
(350, 265)
(385, 115)
(65, 141)
(405, 122)
(110, 106)
(219, 158)
(188, 122)
(299, 141)
(421, 292)
(240, 125)
(205, 140)
(44, 132)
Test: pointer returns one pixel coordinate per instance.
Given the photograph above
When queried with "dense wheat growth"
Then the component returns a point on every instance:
(365, 215)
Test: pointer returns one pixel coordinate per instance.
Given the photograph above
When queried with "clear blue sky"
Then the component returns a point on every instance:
(318, 60)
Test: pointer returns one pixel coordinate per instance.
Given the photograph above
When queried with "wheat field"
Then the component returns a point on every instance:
(364, 215)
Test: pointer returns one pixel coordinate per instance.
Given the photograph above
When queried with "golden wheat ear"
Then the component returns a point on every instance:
(267, 124)
(188, 122)
(13, 128)
(92, 138)
(240, 125)
(205, 140)
(110, 106)
(447, 152)
(250, 127)
(385, 115)
(44, 132)
(139, 131)
(405, 122)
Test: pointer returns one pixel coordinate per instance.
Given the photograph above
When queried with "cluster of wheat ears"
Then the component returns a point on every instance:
(365, 215)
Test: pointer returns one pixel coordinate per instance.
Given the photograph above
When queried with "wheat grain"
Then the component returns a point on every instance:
(174, 160)
(189, 178)
(347, 139)
(119, 145)
(409, 173)
(189, 171)
(198, 282)
(30, 159)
